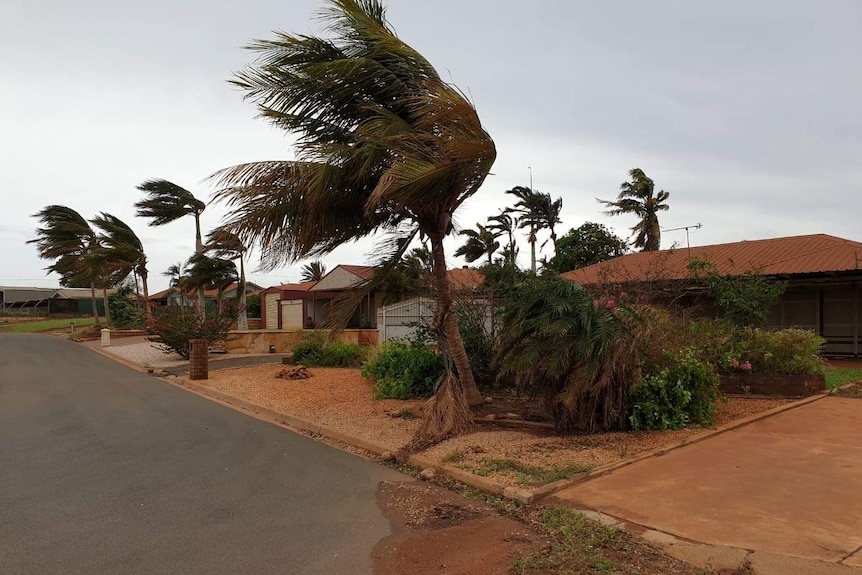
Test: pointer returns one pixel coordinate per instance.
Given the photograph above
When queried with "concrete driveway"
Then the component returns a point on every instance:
(106, 470)
(789, 484)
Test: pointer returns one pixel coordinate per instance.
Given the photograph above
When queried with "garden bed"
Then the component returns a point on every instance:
(340, 398)
(773, 384)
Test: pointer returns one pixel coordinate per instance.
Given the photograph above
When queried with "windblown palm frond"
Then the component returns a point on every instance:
(313, 271)
(166, 202)
(481, 242)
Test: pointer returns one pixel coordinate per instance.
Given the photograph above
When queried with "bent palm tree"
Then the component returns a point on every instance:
(204, 272)
(548, 211)
(67, 238)
(480, 243)
(504, 223)
(124, 250)
(228, 246)
(167, 202)
(385, 145)
(638, 197)
(313, 271)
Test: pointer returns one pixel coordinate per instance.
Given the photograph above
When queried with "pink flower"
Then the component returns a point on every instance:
(623, 295)
(746, 366)
(611, 304)
(596, 303)
(734, 363)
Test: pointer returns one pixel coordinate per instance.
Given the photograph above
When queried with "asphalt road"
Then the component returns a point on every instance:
(105, 470)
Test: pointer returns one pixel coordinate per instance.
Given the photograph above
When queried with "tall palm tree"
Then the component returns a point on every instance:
(384, 145)
(529, 211)
(124, 250)
(313, 271)
(204, 272)
(226, 245)
(166, 202)
(480, 242)
(638, 197)
(504, 223)
(67, 238)
(548, 211)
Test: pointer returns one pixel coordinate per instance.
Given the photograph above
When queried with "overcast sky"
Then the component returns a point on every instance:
(749, 112)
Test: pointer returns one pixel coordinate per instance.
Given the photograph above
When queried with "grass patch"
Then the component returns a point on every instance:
(838, 376)
(454, 457)
(577, 546)
(529, 474)
(45, 325)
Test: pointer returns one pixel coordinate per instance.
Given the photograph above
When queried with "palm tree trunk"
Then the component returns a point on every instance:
(242, 320)
(147, 303)
(107, 306)
(533, 250)
(446, 325)
(95, 306)
(199, 249)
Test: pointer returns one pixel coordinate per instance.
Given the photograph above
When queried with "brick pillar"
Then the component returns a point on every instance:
(198, 355)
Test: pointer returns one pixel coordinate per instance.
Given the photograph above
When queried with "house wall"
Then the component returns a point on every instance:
(832, 311)
(338, 278)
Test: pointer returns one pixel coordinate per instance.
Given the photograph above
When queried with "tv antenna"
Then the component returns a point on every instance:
(686, 228)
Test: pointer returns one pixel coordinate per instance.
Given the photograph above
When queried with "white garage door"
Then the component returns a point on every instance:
(291, 314)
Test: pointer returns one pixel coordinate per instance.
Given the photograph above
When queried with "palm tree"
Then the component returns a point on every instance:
(384, 145)
(529, 211)
(481, 242)
(313, 271)
(227, 245)
(67, 238)
(504, 223)
(204, 272)
(176, 274)
(638, 197)
(548, 211)
(167, 202)
(124, 251)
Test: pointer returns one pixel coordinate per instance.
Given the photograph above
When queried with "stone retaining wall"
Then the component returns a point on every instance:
(773, 384)
(259, 341)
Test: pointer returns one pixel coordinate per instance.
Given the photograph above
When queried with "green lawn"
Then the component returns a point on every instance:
(838, 376)
(44, 325)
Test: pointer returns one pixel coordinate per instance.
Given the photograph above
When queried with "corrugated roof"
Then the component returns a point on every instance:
(465, 278)
(810, 254)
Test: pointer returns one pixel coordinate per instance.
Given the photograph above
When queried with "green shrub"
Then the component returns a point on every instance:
(677, 390)
(313, 350)
(124, 312)
(478, 343)
(402, 371)
(174, 326)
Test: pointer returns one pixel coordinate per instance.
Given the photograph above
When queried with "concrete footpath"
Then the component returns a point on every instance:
(788, 486)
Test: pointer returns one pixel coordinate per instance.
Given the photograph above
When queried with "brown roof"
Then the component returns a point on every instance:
(811, 254)
(364, 272)
(302, 286)
(161, 294)
(465, 278)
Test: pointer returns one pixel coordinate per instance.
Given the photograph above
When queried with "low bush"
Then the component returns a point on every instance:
(678, 389)
(402, 371)
(175, 326)
(124, 312)
(314, 350)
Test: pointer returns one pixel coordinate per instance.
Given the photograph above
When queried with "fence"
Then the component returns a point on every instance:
(401, 320)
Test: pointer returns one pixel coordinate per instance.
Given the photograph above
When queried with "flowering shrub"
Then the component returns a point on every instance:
(175, 326)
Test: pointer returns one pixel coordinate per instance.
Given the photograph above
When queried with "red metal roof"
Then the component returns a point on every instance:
(364, 272)
(465, 278)
(817, 253)
(302, 286)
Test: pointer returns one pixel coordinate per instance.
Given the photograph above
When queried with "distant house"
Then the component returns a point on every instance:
(47, 302)
(174, 296)
(307, 305)
(823, 272)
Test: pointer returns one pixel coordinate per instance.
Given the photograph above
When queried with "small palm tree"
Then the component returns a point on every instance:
(226, 245)
(166, 202)
(124, 250)
(66, 238)
(481, 242)
(548, 211)
(204, 272)
(313, 271)
(384, 145)
(176, 274)
(638, 197)
(504, 223)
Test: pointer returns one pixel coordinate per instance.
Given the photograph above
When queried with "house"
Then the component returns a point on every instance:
(48, 302)
(823, 274)
(173, 296)
(308, 304)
